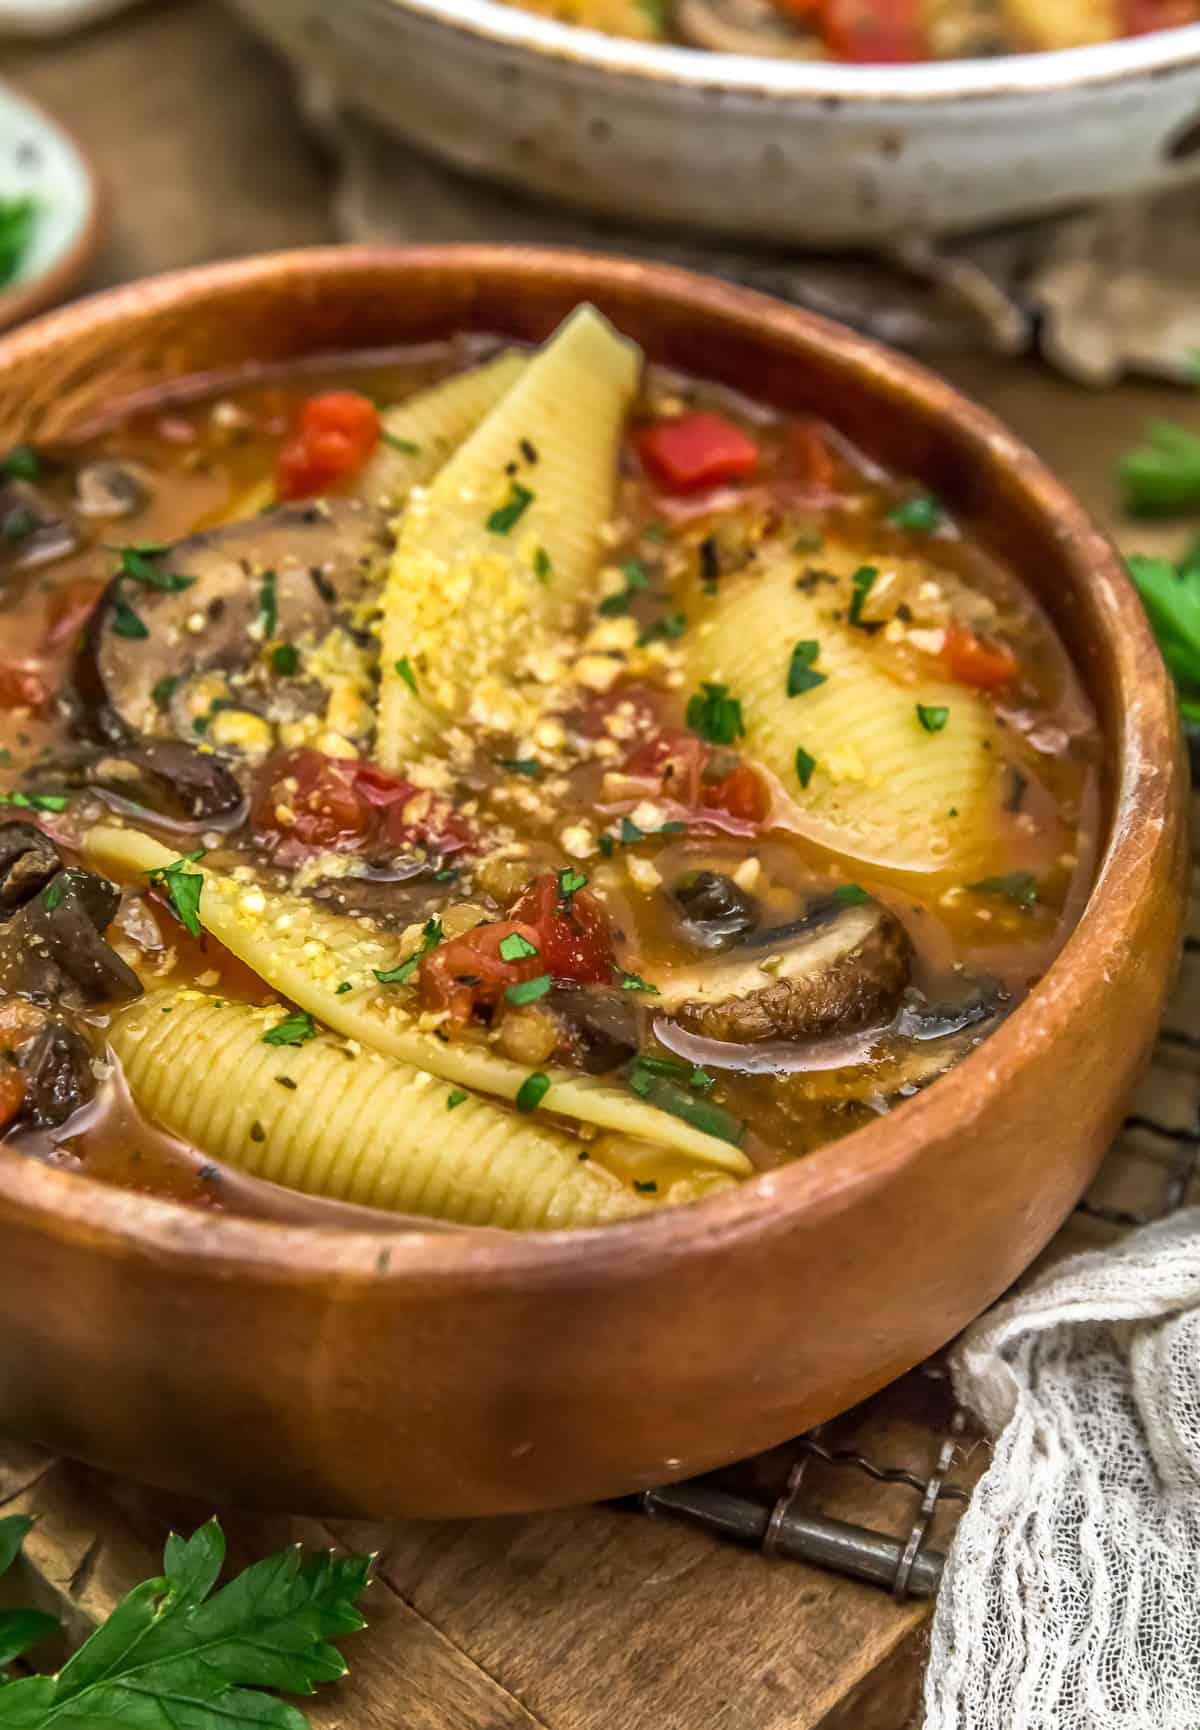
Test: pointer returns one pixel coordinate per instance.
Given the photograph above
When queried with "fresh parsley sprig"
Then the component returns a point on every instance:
(183, 888)
(1161, 476)
(1171, 596)
(176, 1652)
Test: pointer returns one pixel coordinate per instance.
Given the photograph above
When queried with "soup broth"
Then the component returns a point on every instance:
(517, 789)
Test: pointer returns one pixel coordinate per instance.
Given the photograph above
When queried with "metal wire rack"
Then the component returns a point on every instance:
(842, 1496)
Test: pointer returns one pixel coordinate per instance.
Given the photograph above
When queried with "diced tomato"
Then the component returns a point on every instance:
(468, 971)
(21, 687)
(413, 816)
(978, 661)
(683, 765)
(1140, 17)
(12, 1096)
(573, 936)
(809, 455)
(304, 796)
(68, 610)
(334, 436)
(742, 793)
(693, 451)
(874, 32)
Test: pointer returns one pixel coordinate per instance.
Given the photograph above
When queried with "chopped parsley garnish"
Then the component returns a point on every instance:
(805, 764)
(570, 880)
(645, 1068)
(21, 463)
(268, 604)
(715, 715)
(653, 1081)
(645, 1186)
(532, 1091)
(635, 982)
(861, 584)
(36, 801)
(343, 988)
(932, 716)
(406, 446)
(668, 629)
(528, 991)
(851, 895)
(136, 564)
(1016, 886)
(801, 675)
(1161, 477)
(183, 888)
(164, 689)
(506, 516)
(606, 844)
(514, 947)
(1171, 596)
(295, 1029)
(543, 567)
(448, 874)
(285, 659)
(53, 893)
(637, 582)
(455, 1098)
(404, 670)
(630, 833)
(521, 766)
(431, 936)
(127, 623)
(920, 515)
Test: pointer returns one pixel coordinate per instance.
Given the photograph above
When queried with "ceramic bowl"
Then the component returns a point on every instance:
(781, 151)
(351, 1371)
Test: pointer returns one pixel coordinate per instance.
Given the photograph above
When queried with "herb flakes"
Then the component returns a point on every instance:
(802, 675)
(532, 1091)
(920, 515)
(1019, 887)
(183, 889)
(932, 716)
(715, 715)
(506, 516)
(514, 947)
(528, 990)
(805, 765)
(403, 670)
(431, 936)
(297, 1028)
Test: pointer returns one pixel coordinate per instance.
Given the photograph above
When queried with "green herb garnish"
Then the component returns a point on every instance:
(21, 463)
(543, 568)
(570, 881)
(606, 843)
(635, 982)
(861, 584)
(53, 893)
(456, 1097)
(528, 991)
(637, 582)
(341, 990)
(171, 1653)
(295, 1029)
(715, 715)
(645, 1186)
(521, 766)
(514, 947)
(805, 764)
(630, 833)
(645, 1067)
(668, 629)
(405, 446)
(920, 515)
(650, 1083)
(506, 516)
(136, 563)
(850, 895)
(801, 675)
(127, 623)
(403, 668)
(1171, 596)
(532, 1091)
(285, 660)
(164, 689)
(183, 888)
(932, 716)
(36, 801)
(1161, 477)
(431, 936)
(1016, 886)
(268, 604)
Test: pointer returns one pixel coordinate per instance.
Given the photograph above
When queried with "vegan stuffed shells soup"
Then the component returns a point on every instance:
(537, 776)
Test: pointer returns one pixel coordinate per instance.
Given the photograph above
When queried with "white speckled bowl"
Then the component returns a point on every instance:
(37, 158)
(778, 150)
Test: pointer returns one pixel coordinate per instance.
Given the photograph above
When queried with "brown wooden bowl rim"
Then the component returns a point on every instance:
(824, 1183)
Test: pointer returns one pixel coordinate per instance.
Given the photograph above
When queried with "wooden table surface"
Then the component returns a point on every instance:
(567, 1621)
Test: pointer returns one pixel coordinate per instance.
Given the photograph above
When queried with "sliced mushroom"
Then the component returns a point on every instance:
(715, 913)
(108, 488)
(57, 1069)
(33, 531)
(178, 783)
(28, 860)
(842, 966)
(53, 947)
(745, 27)
(392, 893)
(212, 609)
(600, 1027)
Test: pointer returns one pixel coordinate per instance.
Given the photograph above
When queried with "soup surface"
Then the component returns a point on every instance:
(874, 31)
(523, 789)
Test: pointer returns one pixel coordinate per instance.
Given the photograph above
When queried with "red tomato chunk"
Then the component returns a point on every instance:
(694, 451)
(333, 438)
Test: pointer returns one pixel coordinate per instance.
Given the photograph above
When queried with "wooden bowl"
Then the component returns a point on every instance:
(448, 1373)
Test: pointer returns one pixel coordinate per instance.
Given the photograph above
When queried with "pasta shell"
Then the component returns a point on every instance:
(491, 562)
(422, 432)
(356, 1126)
(883, 790)
(307, 953)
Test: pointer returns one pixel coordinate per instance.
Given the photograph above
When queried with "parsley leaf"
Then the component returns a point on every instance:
(36, 801)
(532, 1091)
(861, 584)
(668, 629)
(932, 716)
(21, 463)
(268, 604)
(528, 991)
(715, 715)
(183, 888)
(164, 689)
(404, 669)
(637, 581)
(1171, 596)
(635, 982)
(658, 1081)
(431, 936)
(514, 947)
(406, 446)
(851, 895)
(920, 515)
(136, 563)
(52, 895)
(805, 764)
(570, 880)
(1161, 477)
(506, 516)
(19, 1629)
(127, 623)
(295, 1029)
(1016, 886)
(543, 568)
(521, 766)
(171, 1653)
(801, 675)
(285, 659)
(455, 1098)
